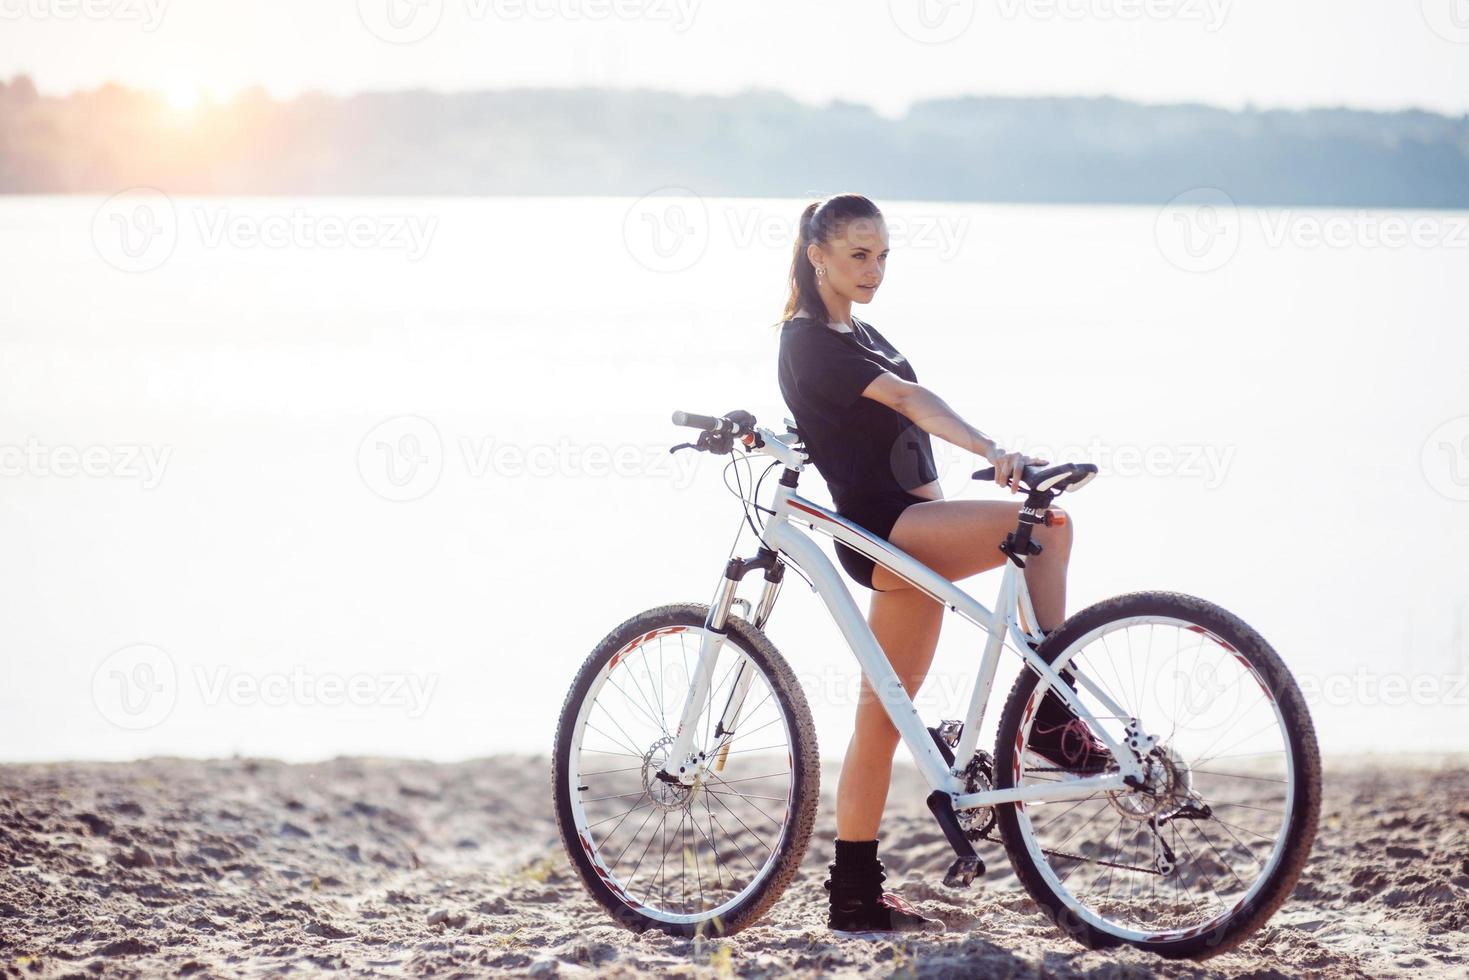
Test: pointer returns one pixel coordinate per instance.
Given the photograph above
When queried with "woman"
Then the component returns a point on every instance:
(866, 422)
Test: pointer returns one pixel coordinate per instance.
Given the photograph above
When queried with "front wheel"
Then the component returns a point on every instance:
(709, 858)
(1198, 857)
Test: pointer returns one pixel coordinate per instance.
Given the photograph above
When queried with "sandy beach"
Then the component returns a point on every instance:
(360, 867)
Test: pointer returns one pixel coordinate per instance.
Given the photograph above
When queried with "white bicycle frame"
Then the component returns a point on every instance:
(782, 534)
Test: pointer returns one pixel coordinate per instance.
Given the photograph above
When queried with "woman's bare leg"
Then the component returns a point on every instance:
(960, 538)
(957, 539)
(906, 623)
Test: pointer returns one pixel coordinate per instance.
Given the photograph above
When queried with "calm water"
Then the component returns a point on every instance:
(301, 478)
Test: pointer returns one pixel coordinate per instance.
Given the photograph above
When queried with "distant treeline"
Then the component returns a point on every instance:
(614, 142)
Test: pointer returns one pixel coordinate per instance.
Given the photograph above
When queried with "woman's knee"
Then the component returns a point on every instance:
(1062, 528)
(876, 735)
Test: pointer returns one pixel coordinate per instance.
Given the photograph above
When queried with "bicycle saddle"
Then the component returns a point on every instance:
(1065, 476)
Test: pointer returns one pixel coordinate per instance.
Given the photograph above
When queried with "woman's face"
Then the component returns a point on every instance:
(854, 260)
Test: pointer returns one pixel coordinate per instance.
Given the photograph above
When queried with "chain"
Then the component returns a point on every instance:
(1049, 852)
(1077, 857)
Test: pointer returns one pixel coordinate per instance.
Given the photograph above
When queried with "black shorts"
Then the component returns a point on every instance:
(877, 512)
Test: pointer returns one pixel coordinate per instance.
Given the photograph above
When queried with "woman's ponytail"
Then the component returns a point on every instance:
(803, 294)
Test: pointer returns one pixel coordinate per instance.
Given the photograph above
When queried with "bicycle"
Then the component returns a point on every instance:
(1212, 827)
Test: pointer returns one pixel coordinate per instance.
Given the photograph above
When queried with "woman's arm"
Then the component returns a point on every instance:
(933, 415)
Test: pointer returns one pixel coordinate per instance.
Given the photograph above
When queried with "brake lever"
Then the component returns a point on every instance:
(686, 445)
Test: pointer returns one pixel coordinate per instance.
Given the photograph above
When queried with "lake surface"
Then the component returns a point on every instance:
(308, 477)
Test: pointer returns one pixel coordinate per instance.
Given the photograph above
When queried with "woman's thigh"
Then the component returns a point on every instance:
(956, 538)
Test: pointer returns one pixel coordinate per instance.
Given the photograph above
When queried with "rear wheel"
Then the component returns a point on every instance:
(704, 859)
(1209, 848)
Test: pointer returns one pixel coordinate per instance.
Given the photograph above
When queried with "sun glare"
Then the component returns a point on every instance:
(181, 98)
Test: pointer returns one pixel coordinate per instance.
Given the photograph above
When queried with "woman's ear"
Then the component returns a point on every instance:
(814, 255)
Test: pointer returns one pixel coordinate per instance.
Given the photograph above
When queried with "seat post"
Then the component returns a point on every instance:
(1018, 545)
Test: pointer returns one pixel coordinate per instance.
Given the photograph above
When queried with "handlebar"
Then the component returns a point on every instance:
(719, 433)
(736, 423)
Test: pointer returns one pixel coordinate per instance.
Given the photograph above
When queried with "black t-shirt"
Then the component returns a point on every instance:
(858, 445)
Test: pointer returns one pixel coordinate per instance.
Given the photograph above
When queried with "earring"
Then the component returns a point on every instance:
(820, 271)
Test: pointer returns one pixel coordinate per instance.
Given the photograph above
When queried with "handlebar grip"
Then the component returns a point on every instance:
(704, 422)
(988, 473)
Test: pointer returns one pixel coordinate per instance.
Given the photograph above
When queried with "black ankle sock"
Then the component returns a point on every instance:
(856, 854)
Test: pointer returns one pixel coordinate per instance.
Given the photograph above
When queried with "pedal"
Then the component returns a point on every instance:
(963, 871)
(945, 747)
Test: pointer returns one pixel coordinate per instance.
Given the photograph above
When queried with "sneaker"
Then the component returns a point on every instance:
(1064, 739)
(861, 909)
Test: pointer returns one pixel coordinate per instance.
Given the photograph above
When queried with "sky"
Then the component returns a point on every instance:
(1382, 54)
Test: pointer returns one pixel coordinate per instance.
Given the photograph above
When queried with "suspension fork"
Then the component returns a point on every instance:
(690, 764)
